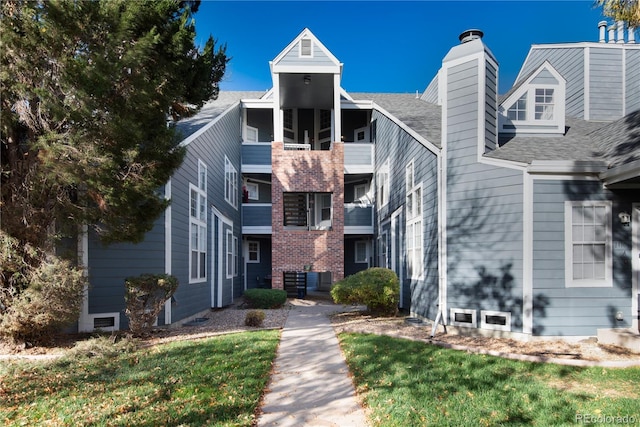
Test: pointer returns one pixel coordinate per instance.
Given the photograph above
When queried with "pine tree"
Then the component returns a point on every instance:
(87, 88)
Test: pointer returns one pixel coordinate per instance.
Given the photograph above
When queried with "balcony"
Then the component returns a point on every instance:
(256, 157)
(358, 218)
(256, 218)
(358, 157)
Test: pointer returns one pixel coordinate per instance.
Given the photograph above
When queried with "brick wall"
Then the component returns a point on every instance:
(307, 171)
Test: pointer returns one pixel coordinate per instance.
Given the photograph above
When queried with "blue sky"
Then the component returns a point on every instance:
(388, 46)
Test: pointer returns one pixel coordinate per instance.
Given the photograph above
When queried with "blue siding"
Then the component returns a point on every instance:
(632, 88)
(256, 154)
(559, 310)
(394, 144)
(605, 81)
(211, 147)
(484, 210)
(256, 216)
(110, 265)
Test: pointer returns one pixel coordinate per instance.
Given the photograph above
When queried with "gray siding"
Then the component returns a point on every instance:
(559, 310)
(357, 154)
(319, 57)
(605, 82)
(545, 77)
(569, 62)
(632, 88)
(484, 211)
(256, 216)
(210, 147)
(256, 154)
(110, 265)
(393, 143)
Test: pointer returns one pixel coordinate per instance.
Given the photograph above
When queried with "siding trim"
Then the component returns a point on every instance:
(527, 255)
(635, 264)
(586, 85)
(167, 248)
(442, 205)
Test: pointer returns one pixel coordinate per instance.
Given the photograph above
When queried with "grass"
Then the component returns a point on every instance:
(407, 383)
(217, 381)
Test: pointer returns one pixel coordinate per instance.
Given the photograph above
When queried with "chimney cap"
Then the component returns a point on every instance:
(602, 24)
(470, 34)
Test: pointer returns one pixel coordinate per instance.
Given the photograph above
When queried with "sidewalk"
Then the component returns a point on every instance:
(310, 385)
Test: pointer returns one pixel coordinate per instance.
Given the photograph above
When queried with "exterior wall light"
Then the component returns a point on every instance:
(625, 218)
(307, 79)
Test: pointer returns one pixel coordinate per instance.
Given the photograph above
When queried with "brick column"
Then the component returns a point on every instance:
(316, 171)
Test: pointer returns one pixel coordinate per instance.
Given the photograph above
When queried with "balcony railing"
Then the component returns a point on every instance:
(358, 157)
(256, 157)
(358, 218)
(256, 218)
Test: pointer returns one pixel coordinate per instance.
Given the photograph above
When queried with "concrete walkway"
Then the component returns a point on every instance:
(311, 385)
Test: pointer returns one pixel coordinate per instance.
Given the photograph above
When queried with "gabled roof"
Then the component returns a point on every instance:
(321, 60)
(211, 110)
(420, 116)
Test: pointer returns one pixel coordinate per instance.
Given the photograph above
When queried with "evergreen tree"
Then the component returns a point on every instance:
(86, 90)
(87, 87)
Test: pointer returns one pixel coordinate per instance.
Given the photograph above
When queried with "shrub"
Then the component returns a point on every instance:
(144, 297)
(377, 288)
(39, 293)
(254, 318)
(265, 298)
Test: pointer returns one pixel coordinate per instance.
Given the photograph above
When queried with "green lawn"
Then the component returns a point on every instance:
(217, 381)
(408, 383)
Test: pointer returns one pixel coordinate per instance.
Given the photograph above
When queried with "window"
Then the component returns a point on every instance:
(544, 104)
(588, 256)
(361, 252)
(198, 226)
(382, 251)
(252, 190)
(230, 254)
(253, 251)
(413, 236)
(251, 134)
(382, 183)
(235, 256)
(359, 192)
(518, 111)
(230, 183)
(308, 210)
(306, 48)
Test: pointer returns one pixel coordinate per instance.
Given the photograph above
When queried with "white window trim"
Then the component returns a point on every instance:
(414, 219)
(383, 175)
(484, 325)
(251, 134)
(202, 173)
(473, 313)
(229, 254)
(235, 256)
(366, 252)
(253, 191)
(382, 239)
(570, 282)
(230, 183)
(247, 257)
(201, 227)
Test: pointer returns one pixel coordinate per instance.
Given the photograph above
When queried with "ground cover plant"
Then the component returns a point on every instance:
(407, 383)
(218, 381)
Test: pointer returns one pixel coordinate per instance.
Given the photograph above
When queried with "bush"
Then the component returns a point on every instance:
(265, 298)
(40, 300)
(144, 297)
(377, 288)
(254, 318)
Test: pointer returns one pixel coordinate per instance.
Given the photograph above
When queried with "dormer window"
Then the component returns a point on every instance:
(536, 105)
(544, 104)
(306, 48)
